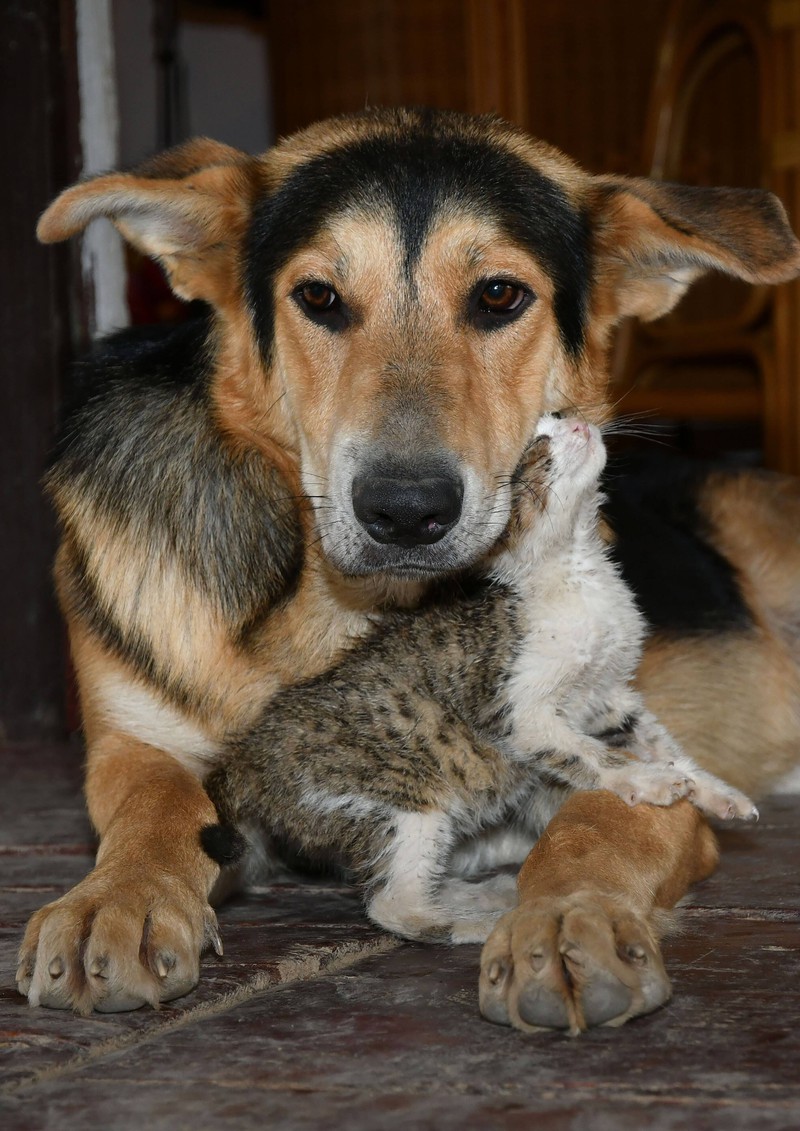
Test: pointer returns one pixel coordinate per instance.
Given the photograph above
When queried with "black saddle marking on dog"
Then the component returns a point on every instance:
(159, 356)
(681, 582)
(141, 446)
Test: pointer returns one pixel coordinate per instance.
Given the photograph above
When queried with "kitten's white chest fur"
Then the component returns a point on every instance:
(581, 633)
(581, 638)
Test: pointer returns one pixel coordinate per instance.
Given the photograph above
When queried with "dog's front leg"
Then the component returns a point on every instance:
(582, 947)
(133, 930)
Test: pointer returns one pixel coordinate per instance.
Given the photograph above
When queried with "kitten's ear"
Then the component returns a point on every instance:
(653, 240)
(187, 208)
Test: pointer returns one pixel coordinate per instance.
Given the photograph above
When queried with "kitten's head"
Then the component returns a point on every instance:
(560, 471)
(577, 454)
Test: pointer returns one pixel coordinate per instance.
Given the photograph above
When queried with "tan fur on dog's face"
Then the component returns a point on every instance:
(411, 379)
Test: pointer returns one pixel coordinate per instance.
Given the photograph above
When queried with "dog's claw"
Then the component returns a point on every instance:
(213, 936)
(97, 967)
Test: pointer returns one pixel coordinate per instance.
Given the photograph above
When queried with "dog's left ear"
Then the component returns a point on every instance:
(652, 240)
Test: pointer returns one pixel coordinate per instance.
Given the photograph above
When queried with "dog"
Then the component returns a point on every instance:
(394, 299)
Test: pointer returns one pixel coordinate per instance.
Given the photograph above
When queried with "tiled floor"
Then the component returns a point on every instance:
(314, 1019)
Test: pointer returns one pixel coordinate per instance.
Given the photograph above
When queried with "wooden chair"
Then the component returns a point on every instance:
(709, 123)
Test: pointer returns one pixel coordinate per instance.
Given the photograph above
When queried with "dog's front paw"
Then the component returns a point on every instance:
(116, 941)
(571, 963)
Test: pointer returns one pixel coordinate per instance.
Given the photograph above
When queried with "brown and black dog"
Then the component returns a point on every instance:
(394, 300)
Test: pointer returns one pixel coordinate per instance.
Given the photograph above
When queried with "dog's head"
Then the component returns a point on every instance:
(400, 295)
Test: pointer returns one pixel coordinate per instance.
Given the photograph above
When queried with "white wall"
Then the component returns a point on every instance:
(225, 94)
(227, 90)
(224, 82)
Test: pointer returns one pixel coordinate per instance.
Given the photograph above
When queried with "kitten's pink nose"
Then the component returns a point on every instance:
(581, 426)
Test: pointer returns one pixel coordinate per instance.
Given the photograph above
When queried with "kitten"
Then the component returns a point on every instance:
(447, 739)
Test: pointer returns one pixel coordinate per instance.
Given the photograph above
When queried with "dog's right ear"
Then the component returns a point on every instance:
(188, 208)
(654, 239)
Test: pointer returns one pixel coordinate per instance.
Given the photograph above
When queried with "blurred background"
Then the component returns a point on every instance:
(699, 91)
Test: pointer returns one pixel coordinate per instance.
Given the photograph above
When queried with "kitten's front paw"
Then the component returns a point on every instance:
(718, 799)
(637, 783)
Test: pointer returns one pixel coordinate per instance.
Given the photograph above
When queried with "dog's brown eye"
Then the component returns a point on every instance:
(318, 296)
(322, 304)
(495, 303)
(499, 296)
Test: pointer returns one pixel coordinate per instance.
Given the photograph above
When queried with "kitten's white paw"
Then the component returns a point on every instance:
(718, 799)
(653, 783)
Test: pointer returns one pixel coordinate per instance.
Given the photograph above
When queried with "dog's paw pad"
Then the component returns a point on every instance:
(542, 1008)
(604, 998)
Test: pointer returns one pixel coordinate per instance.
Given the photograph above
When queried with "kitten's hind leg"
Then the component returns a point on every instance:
(474, 906)
(414, 894)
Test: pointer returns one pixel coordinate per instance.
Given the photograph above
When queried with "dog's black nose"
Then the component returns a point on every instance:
(407, 512)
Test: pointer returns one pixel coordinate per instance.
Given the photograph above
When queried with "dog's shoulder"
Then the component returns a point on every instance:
(163, 517)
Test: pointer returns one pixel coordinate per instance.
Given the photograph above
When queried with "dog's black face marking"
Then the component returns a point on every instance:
(415, 177)
(681, 583)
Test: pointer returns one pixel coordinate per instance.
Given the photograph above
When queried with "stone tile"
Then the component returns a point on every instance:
(41, 803)
(761, 862)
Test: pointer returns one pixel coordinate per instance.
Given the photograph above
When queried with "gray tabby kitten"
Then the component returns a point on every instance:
(445, 742)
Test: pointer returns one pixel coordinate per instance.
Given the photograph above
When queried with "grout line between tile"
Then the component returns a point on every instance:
(752, 914)
(289, 971)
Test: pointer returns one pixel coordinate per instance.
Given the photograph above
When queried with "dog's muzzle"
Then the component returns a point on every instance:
(405, 511)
